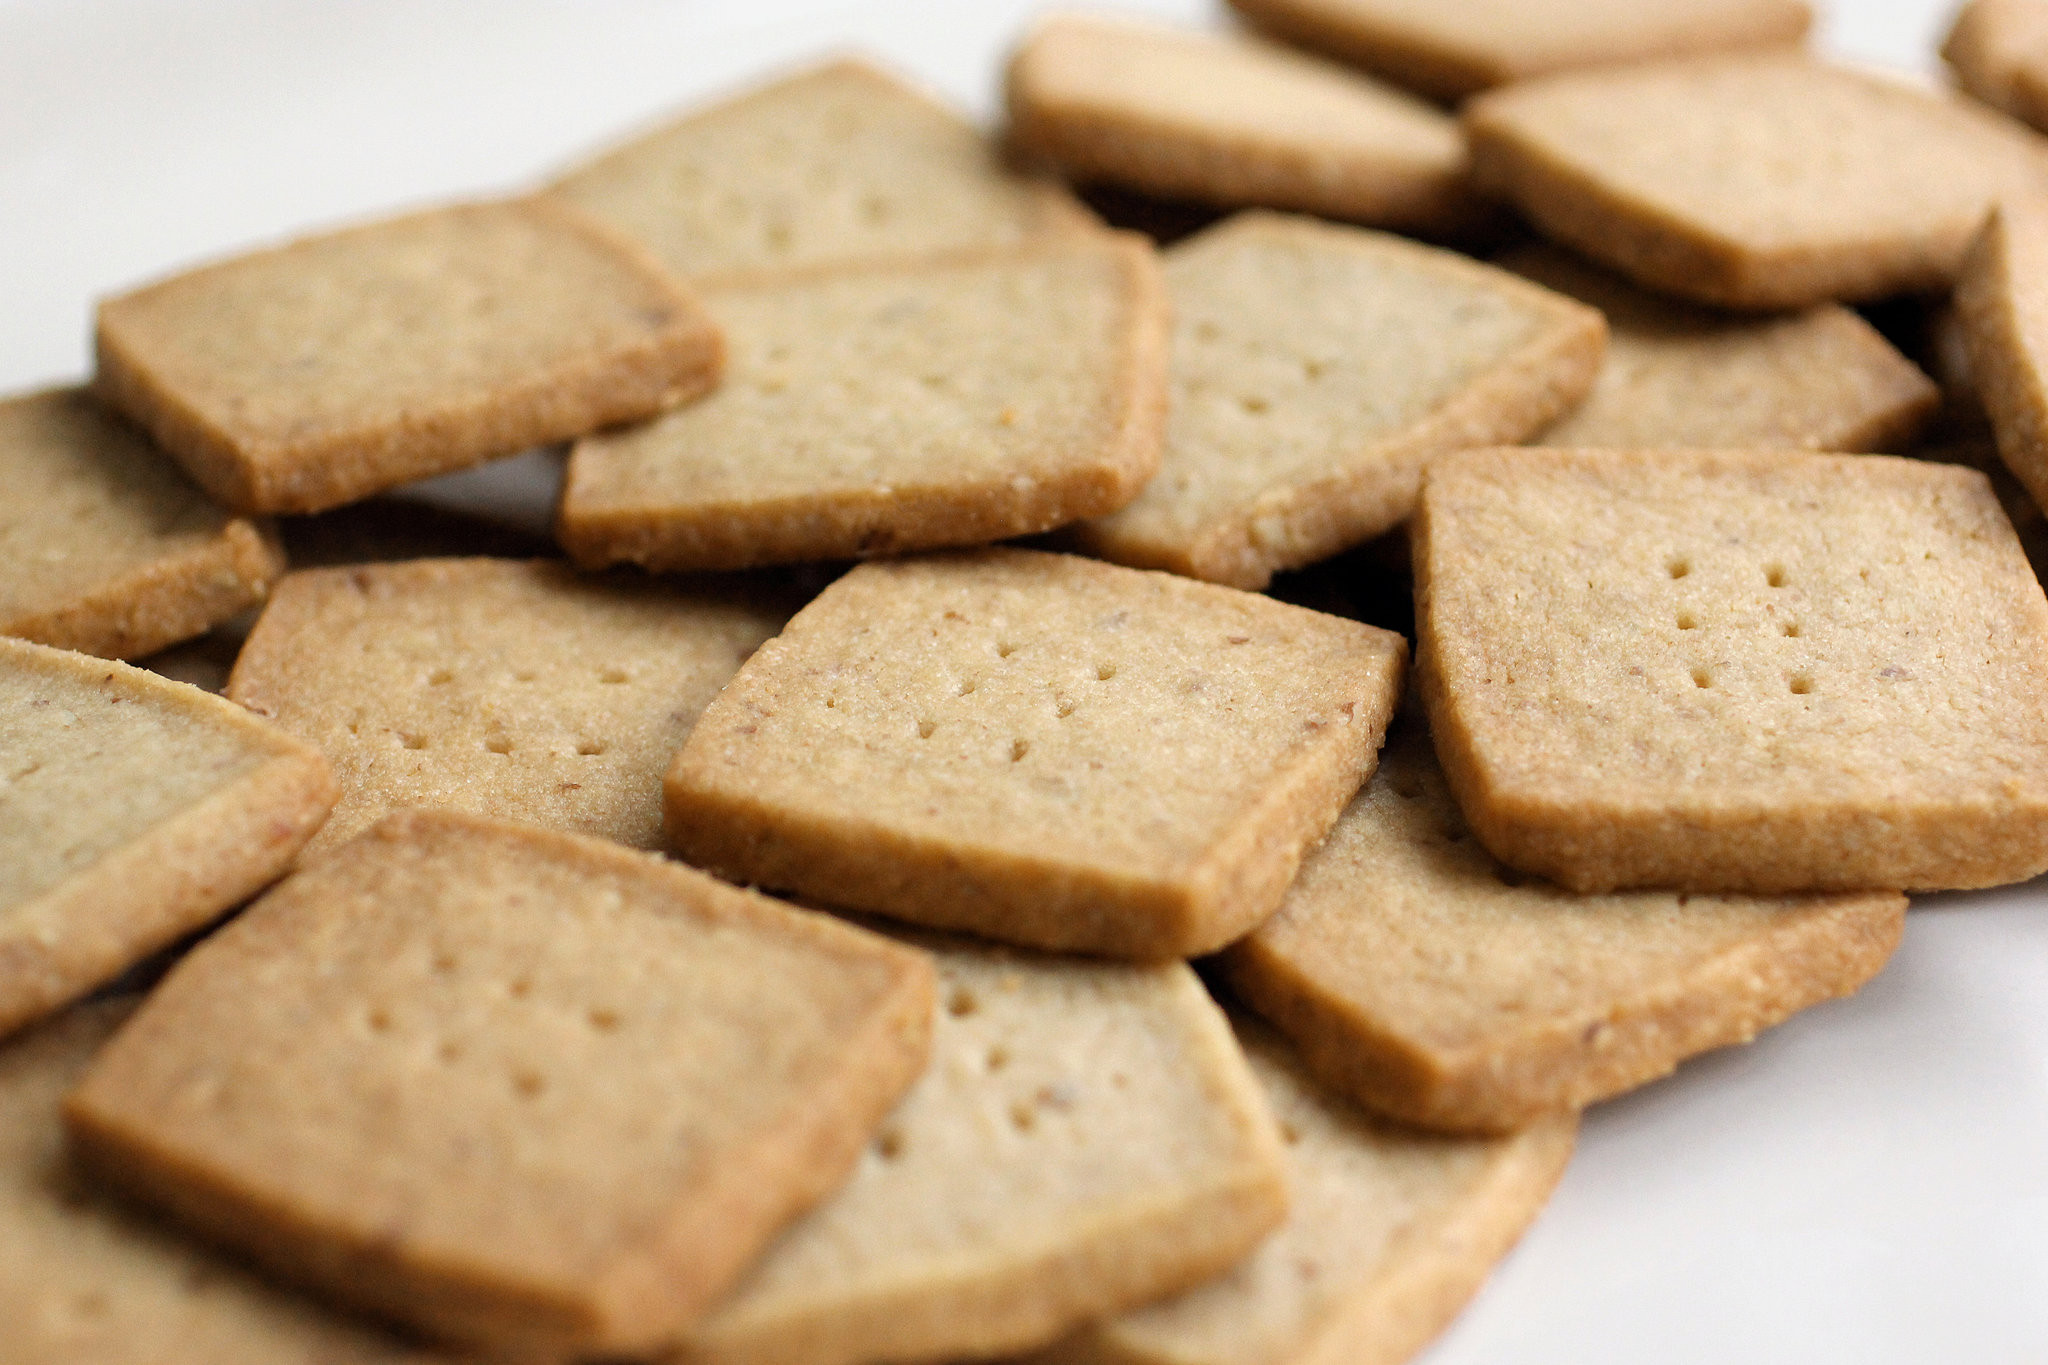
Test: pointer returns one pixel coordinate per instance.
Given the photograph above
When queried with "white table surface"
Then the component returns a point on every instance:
(1866, 1184)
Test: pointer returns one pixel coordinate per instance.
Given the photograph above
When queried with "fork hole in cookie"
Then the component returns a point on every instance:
(379, 1021)
(1687, 621)
(1104, 672)
(603, 1020)
(440, 677)
(590, 748)
(889, 1144)
(1774, 575)
(1290, 1134)
(1801, 684)
(1702, 678)
(962, 1002)
(413, 741)
(1679, 567)
(519, 988)
(528, 1085)
(1023, 1117)
(1019, 748)
(1255, 405)
(966, 687)
(996, 1058)
(925, 728)
(1004, 649)
(1063, 707)
(1791, 630)
(612, 676)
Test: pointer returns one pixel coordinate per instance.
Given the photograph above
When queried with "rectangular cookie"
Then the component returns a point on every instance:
(520, 1089)
(2004, 325)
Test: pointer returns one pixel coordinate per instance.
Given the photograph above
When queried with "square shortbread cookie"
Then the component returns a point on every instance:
(1316, 370)
(133, 810)
(1682, 376)
(1391, 1232)
(1233, 121)
(1998, 51)
(840, 162)
(314, 374)
(1753, 182)
(1087, 1139)
(2003, 311)
(518, 1088)
(105, 547)
(502, 687)
(88, 1280)
(875, 409)
(1038, 748)
(1428, 983)
(1449, 51)
(1740, 671)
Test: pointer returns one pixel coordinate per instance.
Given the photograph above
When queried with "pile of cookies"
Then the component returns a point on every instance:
(760, 929)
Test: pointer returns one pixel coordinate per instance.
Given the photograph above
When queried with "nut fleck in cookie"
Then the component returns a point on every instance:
(2004, 319)
(837, 163)
(1739, 671)
(1449, 51)
(515, 1087)
(1428, 983)
(1087, 1139)
(133, 810)
(104, 546)
(87, 1280)
(873, 409)
(502, 687)
(1316, 370)
(1753, 182)
(1681, 376)
(1391, 1231)
(1998, 51)
(1233, 121)
(310, 375)
(1038, 748)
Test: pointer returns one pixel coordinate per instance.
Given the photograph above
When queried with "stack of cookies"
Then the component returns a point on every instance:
(756, 926)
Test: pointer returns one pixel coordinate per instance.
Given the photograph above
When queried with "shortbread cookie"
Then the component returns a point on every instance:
(1087, 1139)
(1736, 671)
(104, 546)
(1391, 1232)
(841, 162)
(1677, 375)
(516, 1087)
(2004, 314)
(1428, 983)
(310, 375)
(2028, 523)
(85, 1280)
(1998, 50)
(1449, 51)
(876, 409)
(133, 809)
(502, 687)
(1753, 182)
(1316, 369)
(1233, 121)
(1038, 748)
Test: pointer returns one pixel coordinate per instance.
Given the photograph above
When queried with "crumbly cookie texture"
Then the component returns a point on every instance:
(840, 162)
(1233, 121)
(133, 810)
(513, 688)
(310, 375)
(870, 410)
(1426, 982)
(1753, 182)
(1735, 671)
(520, 1089)
(1316, 370)
(105, 547)
(1087, 1139)
(1678, 376)
(1391, 1232)
(1450, 51)
(1039, 748)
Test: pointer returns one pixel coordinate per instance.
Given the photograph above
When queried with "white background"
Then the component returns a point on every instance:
(1868, 1183)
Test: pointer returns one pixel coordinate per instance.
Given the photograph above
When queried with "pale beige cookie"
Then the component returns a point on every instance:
(840, 162)
(2002, 305)
(87, 1280)
(503, 687)
(314, 374)
(874, 409)
(104, 546)
(1088, 1139)
(1038, 748)
(515, 1087)
(1391, 1232)
(2028, 523)
(1998, 51)
(1753, 182)
(1735, 671)
(133, 810)
(1429, 983)
(1449, 51)
(1234, 121)
(1316, 370)
(1678, 375)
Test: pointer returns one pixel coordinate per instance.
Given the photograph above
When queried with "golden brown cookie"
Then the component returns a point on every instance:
(1038, 748)
(518, 1088)
(2004, 323)
(1998, 51)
